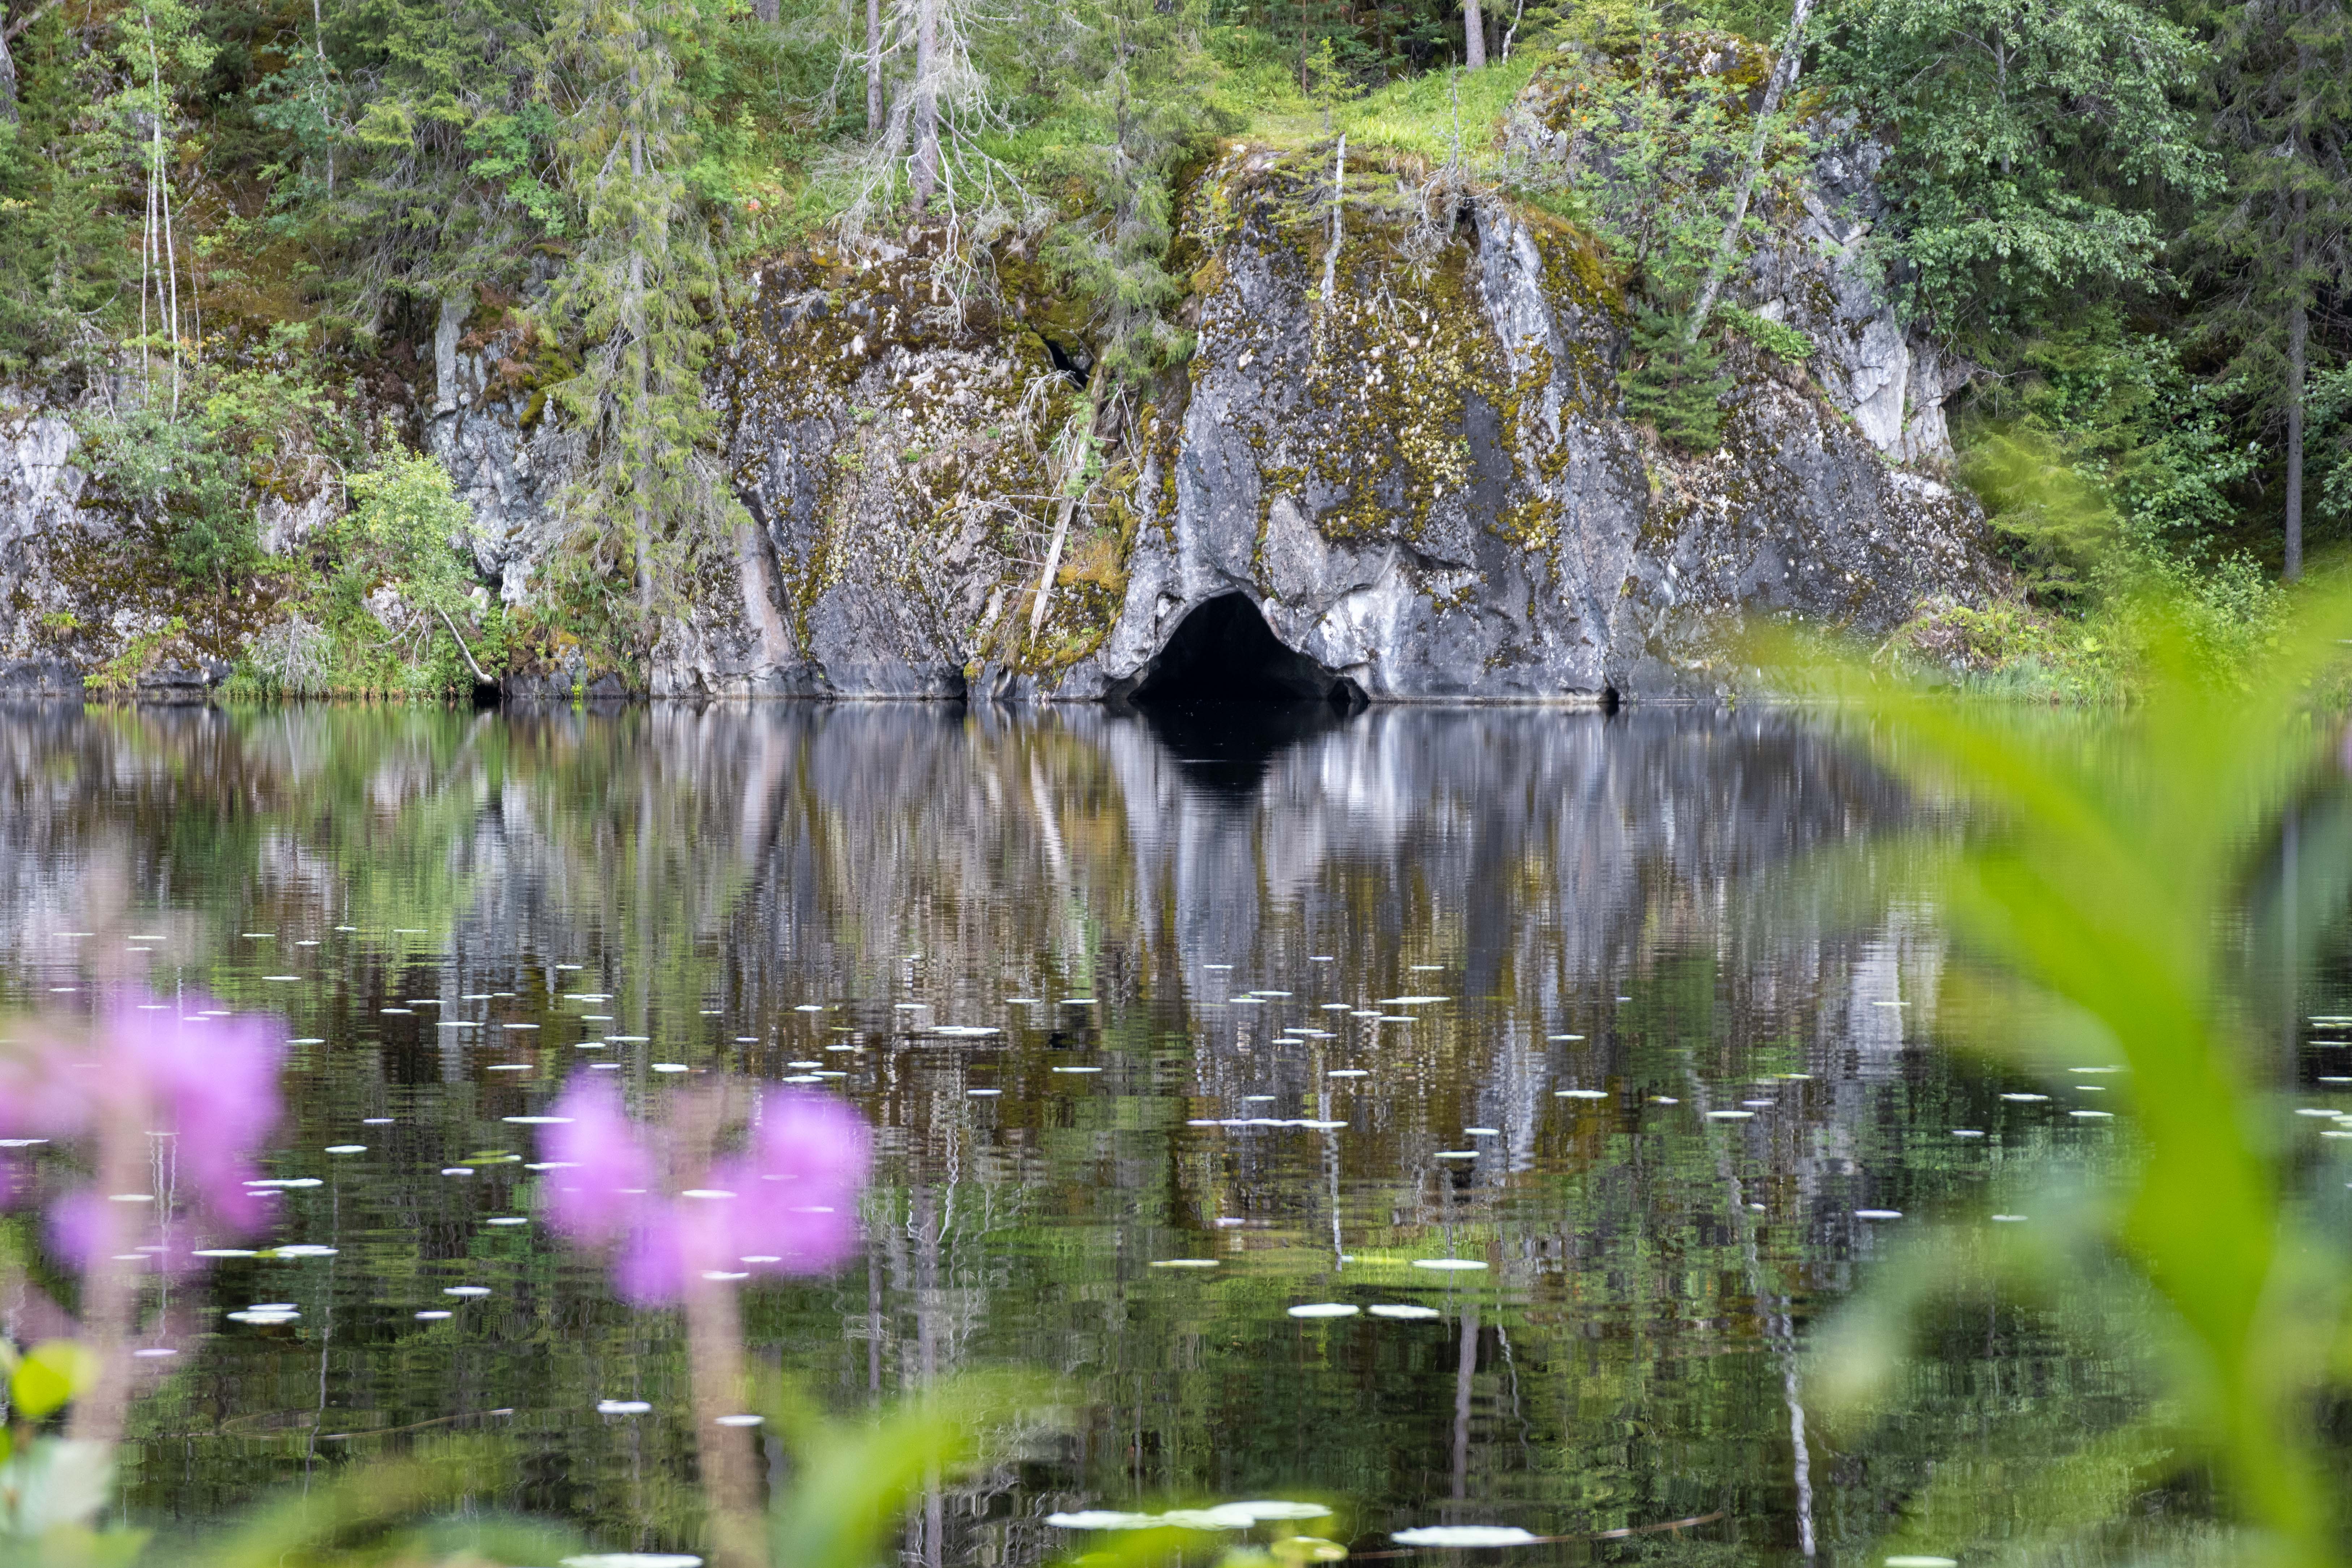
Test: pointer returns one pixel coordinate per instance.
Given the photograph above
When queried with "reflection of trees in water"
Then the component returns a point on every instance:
(757, 860)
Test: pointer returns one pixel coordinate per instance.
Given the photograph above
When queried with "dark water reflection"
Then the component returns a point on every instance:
(1628, 905)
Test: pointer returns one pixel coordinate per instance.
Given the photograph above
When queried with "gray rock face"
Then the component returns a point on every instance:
(510, 476)
(40, 491)
(1891, 382)
(1419, 479)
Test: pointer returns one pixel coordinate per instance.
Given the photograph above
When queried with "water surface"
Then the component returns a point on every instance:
(1660, 1050)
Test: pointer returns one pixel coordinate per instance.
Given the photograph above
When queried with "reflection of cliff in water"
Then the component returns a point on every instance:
(1629, 880)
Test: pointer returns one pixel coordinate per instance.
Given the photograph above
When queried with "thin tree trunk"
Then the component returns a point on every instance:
(319, 38)
(2298, 328)
(1074, 463)
(1784, 76)
(1474, 36)
(926, 101)
(634, 316)
(7, 83)
(873, 67)
(163, 181)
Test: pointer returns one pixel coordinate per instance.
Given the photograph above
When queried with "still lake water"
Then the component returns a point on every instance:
(1193, 937)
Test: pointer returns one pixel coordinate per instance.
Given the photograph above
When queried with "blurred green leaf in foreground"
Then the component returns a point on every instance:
(2103, 905)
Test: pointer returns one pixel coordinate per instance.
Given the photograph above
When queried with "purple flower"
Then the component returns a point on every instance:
(209, 1086)
(786, 1204)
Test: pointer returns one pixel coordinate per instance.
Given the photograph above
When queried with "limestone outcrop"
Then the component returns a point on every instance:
(1406, 453)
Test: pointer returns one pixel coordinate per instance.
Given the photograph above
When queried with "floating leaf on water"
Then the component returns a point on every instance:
(456, 1170)
(2025, 1098)
(1968, 1133)
(309, 1040)
(508, 1220)
(1482, 1131)
(1580, 1094)
(1101, 1519)
(1463, 1535)
(622, 1407)
(1408, 1001)
(740, 1420)
(2100, 1116)
(669, 1066)
(1456, 1154)
(151, 1352)
(1404, 1313)
(1563, 1037)
(224, 1252)
(1348, 1072)
(2008, 1219)
(346, 1148)
(1878, 1214)
(1731, 1116)
(466, 1290)
(536, 1121)
(1923, 1562)
(635, 1560)
(301, 1252)
(984, 1093)
(1184, 1263)
(1325, 1309)
(1077, 1069)
(433, 1317)
(1449, 1264)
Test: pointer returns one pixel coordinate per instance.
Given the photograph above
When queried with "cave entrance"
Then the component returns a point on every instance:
(1223, 652)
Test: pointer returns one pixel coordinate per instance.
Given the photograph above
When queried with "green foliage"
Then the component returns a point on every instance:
(196, 476)
(1775, 338)
(635, 297)
(2033, 139)
(401, 530)
(1151, 104)
(1675, 385)
(1654, 141)
(2057, 525)
(2098, 917)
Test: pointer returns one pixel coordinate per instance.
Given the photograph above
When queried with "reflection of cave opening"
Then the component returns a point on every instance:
(1224, 652)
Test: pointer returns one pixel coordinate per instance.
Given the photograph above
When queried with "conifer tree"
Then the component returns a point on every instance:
(2280, 241)
(636, 293)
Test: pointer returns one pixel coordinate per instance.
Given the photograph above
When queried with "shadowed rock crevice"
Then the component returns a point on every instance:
(1223, 652)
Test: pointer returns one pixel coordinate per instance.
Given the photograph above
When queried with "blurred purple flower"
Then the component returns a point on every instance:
(786, 1204)
(210, 1084)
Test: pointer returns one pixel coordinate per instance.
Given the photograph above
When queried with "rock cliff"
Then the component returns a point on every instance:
(1407, 457)
(1402, 449)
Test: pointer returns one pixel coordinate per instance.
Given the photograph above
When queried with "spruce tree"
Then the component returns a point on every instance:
(2280, 243)
(1675, 383)
(636, 294)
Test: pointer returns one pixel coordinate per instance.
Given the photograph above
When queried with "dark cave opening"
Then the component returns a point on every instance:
(1223, 652)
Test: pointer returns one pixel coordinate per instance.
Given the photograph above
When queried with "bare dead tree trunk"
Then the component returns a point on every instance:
(1474, 36)
(873, 67)
(7, 82)
(2298, 328)
(926, 101)
(1784, 76)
